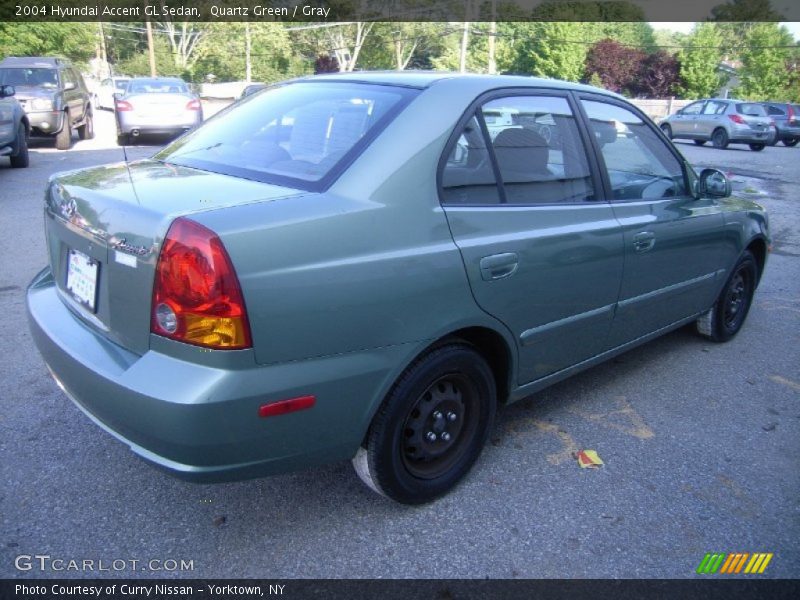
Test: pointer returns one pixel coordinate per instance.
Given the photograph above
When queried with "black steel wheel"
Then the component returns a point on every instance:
(431, 427)
(728, 314)
(719, 138)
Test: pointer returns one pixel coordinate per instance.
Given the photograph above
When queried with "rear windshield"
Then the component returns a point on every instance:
(29, 77)
(300, 134)
(121, 84)
(749, 108)
(157, 87)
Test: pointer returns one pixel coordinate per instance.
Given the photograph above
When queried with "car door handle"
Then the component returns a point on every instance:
(499, 266)
(644, 241)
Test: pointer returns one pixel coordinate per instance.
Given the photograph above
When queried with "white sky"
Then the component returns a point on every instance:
(687, 27)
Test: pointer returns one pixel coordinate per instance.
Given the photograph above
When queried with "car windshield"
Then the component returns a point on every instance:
(121, 84)
(29, 77)
(748, 108)
(157, 87)
(295, 134)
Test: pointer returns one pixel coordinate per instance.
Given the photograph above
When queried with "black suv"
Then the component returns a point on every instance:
(53, 94)
(13, 128)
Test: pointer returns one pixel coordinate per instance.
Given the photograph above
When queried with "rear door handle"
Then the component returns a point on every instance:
(644, 241)
(499, 266)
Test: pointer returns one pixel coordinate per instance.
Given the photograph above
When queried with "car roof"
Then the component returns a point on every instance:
(162, 79)
(424, 79)
(34, 61)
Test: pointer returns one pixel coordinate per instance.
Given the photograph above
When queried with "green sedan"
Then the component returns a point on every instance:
(365, 266)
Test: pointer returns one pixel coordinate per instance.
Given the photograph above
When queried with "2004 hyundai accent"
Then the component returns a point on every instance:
(365, 265)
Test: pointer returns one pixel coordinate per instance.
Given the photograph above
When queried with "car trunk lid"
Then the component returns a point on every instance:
(104, 229)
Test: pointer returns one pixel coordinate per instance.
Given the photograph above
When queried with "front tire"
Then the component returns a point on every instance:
(720, 139)
(757, 147)
(431, 427)
(64, 137)
(790, 142)
(726, 317)
(21, 158)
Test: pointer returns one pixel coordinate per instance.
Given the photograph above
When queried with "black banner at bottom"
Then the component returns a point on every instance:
(401, 589)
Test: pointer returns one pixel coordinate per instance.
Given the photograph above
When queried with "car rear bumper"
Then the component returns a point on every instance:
(201, 422)
(130, 124)
(788, 133)
(750, 136)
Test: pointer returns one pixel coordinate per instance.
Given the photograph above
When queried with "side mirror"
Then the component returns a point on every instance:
(69, 86)
(714, 184)
(7, 90)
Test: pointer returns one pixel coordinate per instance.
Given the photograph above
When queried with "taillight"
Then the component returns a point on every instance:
(193, 105)
(196, 294)
(123, 105)
(737, 119)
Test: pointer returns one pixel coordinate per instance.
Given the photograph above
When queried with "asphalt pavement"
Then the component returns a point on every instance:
(700, 443)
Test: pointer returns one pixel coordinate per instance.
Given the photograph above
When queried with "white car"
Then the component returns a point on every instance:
(104, 94)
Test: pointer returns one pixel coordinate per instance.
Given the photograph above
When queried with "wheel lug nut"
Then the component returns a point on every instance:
(431, 436)
(445, 436)
(437, 414)
(451, 416)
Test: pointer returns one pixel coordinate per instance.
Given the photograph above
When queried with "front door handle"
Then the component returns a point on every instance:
(499, 266)
(644, 241)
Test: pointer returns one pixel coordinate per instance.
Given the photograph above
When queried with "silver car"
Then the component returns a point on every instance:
(722, 122)
(156, 105)
(104, 94)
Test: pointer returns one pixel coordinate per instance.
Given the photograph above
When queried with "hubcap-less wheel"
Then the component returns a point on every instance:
(431, 426)
(727, 316)
(440, 426)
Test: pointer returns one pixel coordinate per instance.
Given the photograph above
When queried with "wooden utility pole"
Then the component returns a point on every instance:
(462, 64)
(248, 68)
(150, 48)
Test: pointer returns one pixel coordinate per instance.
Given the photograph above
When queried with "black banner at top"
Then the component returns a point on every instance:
(399, 10)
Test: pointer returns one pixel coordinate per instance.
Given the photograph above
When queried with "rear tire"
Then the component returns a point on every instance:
(21, 158)
(86, 131)
(757, 147)
(724, 320)
(123, 139)
(791, 142)
(431, 426)
(699, 142)
(720, 139)
(64, 137)
(667, 130)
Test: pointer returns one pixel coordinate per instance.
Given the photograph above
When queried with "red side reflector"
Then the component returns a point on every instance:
(273, 409)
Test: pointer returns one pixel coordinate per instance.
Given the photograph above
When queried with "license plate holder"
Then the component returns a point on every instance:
(82, 278)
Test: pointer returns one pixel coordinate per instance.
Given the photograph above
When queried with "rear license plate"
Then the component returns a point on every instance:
(82, 278)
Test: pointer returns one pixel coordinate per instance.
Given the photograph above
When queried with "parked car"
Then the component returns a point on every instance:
(787, 121)
(14, 128)
(252, 89)
(104, 94)
(54, 96)
(722, 122)
(156, 105)
(350, 266)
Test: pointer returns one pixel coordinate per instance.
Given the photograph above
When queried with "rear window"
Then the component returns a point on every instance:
(157, 87)
(298, 134)
(748, 108)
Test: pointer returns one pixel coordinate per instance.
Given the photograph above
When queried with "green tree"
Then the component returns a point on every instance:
(76, 41)
(547, 49)
(699, 60)
(763, 74)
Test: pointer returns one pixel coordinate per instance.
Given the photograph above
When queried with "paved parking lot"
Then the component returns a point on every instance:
(700, 441)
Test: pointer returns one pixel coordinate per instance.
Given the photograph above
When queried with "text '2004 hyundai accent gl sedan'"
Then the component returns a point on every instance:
(364, 266)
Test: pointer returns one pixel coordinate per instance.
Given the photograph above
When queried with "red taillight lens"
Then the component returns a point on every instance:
(193, 105)
(123, 105)
(196, 294)
(737, 119)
